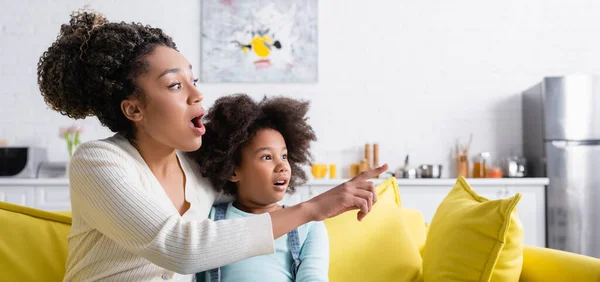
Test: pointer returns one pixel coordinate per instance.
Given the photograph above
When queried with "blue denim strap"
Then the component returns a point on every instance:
(220, 210)
(294, 245)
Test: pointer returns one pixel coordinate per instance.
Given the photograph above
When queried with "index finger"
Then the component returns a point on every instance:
(368, 174)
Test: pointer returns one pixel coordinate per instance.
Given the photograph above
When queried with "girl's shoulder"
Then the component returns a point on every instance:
(312, 230)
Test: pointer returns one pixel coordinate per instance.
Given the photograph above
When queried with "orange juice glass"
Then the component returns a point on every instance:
(319, 170)
(332, 171)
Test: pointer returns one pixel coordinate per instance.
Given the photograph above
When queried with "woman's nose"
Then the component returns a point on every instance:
(196, 96)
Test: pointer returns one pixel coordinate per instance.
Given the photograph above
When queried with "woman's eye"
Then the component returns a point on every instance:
(175, 86)
(284, 156)
(195, 82)
(266, 157)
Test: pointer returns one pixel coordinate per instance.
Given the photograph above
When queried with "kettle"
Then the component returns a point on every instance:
(406, 172)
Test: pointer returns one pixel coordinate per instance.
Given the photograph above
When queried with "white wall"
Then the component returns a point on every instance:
(411, 75)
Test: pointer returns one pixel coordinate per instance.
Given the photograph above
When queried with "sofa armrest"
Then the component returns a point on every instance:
(542, 264)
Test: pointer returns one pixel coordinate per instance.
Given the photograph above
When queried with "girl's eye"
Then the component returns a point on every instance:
(266, 157)
(175, 86)
(284, 156)
(195, 82)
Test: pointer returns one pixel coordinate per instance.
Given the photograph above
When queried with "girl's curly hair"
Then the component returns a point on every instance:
(234, 120)
(92, 66)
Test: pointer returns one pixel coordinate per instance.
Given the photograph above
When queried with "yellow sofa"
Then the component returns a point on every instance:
(33, 247)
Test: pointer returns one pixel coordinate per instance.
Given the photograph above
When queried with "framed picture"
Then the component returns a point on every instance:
(268, 41)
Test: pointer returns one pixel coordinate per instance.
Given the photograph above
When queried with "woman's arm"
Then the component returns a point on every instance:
(358, 193)
(314, 255)
(108, 195)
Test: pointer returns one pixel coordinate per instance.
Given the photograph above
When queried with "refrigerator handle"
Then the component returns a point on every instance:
(562, 144)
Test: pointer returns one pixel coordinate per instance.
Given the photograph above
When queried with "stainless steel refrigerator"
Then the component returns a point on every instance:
(561, 136)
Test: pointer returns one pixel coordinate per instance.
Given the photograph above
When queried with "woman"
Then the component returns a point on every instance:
(139, 205)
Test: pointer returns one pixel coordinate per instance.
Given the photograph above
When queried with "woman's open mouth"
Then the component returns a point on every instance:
(197, 126)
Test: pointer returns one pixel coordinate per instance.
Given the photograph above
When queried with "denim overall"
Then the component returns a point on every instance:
(293, 244)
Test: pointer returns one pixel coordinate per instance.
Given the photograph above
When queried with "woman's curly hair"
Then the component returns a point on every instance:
(92, 67)
(233, 121)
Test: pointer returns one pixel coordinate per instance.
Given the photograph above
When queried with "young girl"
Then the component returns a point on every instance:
(140, 206)
(254, 151)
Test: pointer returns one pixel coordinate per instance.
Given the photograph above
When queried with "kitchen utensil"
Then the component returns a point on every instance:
(430, 171)
(368, 157)
(465, 150)
(375, 155)
(515, 166)
(406, 172)
(462, 157)
(462, 166)
(363, 166)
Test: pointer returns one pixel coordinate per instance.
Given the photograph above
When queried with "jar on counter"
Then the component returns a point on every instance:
(462, 166)
(493, 171)
(480, 164)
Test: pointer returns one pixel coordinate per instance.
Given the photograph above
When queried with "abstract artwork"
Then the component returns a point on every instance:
(259, 41)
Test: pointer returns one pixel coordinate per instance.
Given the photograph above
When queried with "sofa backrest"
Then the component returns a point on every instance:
(33, 243)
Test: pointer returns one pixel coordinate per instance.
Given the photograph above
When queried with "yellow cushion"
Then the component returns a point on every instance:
(413, 219)
(33, 244)
(416, 226)
(474, 239)
(379, 248)
(388, 189)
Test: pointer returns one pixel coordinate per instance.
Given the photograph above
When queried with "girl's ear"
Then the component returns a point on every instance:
(234, 177)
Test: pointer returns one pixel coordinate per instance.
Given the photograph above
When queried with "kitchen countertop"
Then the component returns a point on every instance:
(446, 181)
(6, 181)
(411, 182)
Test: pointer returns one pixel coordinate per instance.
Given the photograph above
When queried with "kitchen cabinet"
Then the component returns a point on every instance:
(425, 195)
(45, 194)
(17, 195)
(52, 198)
